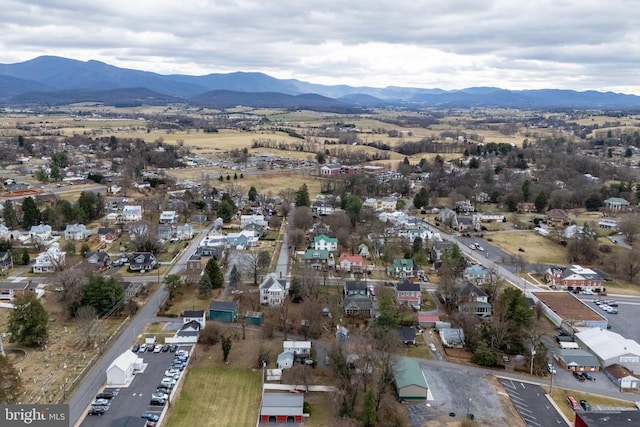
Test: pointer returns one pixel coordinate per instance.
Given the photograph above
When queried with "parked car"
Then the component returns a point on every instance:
(573, 404)
(149, 416)
(100, 402)
(598, 301)
(612, 303)
(432, 347)
(579, 376)
(480, 248)
(150, 347)
(105, 395)
(96, 411)
(587, 292)
(159, 395)
(142, 348)
(136, 348)
(551, 369)
(157, 402)
(472, 246)
(157, 348)
(585, 405)
(165, 348)
(164, 390)
(588, 376)
(613, 311)
(172, 373)
(172, 348)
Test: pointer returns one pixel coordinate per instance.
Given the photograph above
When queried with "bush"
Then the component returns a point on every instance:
(210, 335)
(306, 407)
(604, 249)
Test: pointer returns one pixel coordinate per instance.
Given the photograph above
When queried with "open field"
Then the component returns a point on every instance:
(538, 249)
(217, 397)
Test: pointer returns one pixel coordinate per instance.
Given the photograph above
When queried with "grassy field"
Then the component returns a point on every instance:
(538, 249)
(597, 402)
(217, 397)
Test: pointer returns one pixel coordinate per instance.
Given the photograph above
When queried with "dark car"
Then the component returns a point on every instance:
(611, 303)
(585, 405)
(96, 411)
(588, 376)
(105, 395)
(157, 402)
(579, 376)
(150, 416)
(173, 348)
(136, 348)
(165, 348)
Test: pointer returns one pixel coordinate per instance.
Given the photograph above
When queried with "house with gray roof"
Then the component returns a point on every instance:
(75, 232)
(577, 360)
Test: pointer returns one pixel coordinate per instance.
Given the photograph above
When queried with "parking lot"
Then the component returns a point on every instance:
(532, 404)
(129, 403)
(625, 321)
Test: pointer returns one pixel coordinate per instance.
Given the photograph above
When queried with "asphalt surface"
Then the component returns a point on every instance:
(132, 401)
(532, 404)
(626, 321)
(96, 377)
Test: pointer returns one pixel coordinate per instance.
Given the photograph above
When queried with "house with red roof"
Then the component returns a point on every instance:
(351, 263)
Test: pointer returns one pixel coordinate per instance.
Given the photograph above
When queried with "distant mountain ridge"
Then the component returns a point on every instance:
(51, 80)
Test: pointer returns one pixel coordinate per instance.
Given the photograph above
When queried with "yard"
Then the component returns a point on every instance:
(538, 249)
(597, 402)
(217, 396)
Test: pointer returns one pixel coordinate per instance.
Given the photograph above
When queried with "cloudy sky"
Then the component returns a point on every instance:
(450, 44)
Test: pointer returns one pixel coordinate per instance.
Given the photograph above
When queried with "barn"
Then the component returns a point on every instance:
(121, 370)
(409, 380)
(282, 408)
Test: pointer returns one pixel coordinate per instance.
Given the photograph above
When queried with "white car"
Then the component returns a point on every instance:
(605, 307)
(432, 347)
(172, 373)
(587, 292)
(551, 369)
(472, 246)
(480, 248)
(157, 348)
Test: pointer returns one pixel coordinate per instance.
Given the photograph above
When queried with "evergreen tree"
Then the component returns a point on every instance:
(302, 196)
(212, 270)
(541, 202)
(226, 347)
(253, 194)
(421, 199)
(224, 210)
(30, 213)
(28, 321)
(104, 294)
(9, 214)
(204, 287)
(234, 276)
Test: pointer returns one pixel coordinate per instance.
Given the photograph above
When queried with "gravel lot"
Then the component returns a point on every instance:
(451, 388)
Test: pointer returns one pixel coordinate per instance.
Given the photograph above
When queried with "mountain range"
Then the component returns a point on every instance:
(50, 80)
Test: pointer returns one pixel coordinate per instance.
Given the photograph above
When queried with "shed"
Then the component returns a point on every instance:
(427, 320)
(254, 317)
(282, 408)
(409, 380)
(407, 335)
(285, 360)
(121, 370)
(223, 311)
(342, 333)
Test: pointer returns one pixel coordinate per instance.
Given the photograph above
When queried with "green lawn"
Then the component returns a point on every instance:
(217, 397)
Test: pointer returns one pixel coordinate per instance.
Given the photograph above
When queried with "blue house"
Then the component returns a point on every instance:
(223, 311)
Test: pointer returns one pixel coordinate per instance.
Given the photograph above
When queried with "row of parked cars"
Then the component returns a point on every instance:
(154, 348)
(101, 403)
(573, 404)
(581, 376)
(171, 375)
(609, 305)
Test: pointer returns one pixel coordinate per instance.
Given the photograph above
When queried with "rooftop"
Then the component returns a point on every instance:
(567, 306)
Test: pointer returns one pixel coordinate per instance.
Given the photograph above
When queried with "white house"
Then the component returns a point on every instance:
(273, 290)
(325, 243)
(168, 217)
(75, 232)
(121, 371)
(40, 233)
(184, 232)
(297, 348)
(50, 260)
(610, 348)
(132, 213)
(285, 360)
(194, 315)
(388, 203)
(259, 220)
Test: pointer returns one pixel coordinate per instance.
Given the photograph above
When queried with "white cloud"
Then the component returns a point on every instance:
(588, 44)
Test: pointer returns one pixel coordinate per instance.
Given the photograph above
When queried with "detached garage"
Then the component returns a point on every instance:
(121, 371)
(409, 380)
(282, 408)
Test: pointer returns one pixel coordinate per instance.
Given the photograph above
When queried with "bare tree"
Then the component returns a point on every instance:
(301, 218)
(631, 265)
(296, 238)
(629, 226)
(70, 282)
(88, 323)
(256, 263)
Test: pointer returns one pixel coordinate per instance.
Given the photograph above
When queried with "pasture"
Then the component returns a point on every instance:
(538, 249)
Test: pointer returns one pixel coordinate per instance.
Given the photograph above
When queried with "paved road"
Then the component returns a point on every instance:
(96, 377)
(532, 404)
